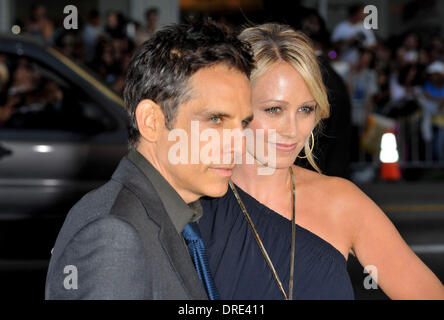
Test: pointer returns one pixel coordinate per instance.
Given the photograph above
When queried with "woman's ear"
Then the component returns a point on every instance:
(150, 120)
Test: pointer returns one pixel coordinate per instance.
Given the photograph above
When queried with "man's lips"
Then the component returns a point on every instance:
(224, 171)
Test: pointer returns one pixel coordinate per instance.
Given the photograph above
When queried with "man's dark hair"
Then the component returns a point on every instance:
(161, 66)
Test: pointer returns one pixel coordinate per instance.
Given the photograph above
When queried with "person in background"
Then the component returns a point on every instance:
(4, 71)
(115, 25)
(350, 35)
(70, 45)
(382, 98)
(332, 147)
(409, 52)
(90, 34)
(39, 25)
(405, 90)
(104, 63)
(435, 50)
(363, 85)
(403, 106)
(24, 82)
(151, 20)
(6, 103)
(433, 107)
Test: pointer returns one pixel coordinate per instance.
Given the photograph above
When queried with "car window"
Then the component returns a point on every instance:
(34, 97)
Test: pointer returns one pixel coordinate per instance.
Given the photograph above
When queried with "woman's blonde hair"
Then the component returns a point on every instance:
(272, 42)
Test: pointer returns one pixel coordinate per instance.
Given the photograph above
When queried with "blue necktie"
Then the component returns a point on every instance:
(197, 251)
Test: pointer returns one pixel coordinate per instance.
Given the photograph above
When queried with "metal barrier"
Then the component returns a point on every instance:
(414, 151)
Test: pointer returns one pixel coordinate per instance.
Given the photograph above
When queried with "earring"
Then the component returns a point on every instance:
(312, 145)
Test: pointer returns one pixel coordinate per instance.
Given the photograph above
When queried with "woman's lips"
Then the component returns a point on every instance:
(285, 147)
(226, 172)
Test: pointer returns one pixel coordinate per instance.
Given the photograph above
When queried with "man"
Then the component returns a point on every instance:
(124, 240)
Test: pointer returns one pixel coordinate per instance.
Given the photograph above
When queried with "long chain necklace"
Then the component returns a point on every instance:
(261, 246)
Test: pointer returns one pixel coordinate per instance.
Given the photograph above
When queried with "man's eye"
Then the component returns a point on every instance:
(273, 110)
(245, 123)
(216, 119)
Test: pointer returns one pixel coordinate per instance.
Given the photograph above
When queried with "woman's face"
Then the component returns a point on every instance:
(281, 101)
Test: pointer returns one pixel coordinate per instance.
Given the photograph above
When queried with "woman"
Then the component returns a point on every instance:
(332, 216)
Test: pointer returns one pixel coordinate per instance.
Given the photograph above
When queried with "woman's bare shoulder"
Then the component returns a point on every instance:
(332, 204)
(335, 195)
(330, 184)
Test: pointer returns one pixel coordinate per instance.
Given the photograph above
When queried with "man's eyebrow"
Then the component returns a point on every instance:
(214, 113)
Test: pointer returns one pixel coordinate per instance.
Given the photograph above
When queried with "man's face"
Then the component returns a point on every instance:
(220, 99)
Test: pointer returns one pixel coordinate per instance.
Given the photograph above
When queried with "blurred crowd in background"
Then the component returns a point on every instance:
(399, 78)
(105, 47)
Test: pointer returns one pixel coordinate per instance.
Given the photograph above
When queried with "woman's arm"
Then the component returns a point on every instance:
(375, 241)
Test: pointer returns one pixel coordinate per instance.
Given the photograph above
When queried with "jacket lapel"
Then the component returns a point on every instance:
(172, 242)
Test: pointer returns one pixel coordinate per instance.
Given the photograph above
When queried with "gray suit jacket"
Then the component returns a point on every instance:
(118, 242)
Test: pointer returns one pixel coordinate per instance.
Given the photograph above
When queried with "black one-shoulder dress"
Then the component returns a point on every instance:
(241, 272)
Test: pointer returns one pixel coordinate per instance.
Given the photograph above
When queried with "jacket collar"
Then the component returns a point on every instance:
(172, 242)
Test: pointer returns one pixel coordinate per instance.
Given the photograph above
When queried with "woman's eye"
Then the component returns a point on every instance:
(307, 109)
(273, 110)
(245, 124)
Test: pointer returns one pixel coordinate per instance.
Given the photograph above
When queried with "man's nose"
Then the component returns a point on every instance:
(239, 142)
(235, 145)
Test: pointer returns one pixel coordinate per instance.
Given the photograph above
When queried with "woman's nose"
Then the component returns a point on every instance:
(289, 127)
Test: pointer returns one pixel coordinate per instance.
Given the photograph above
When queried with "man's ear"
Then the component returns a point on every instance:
(150, 119)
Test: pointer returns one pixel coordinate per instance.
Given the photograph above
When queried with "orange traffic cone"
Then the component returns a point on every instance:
(389, 157)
